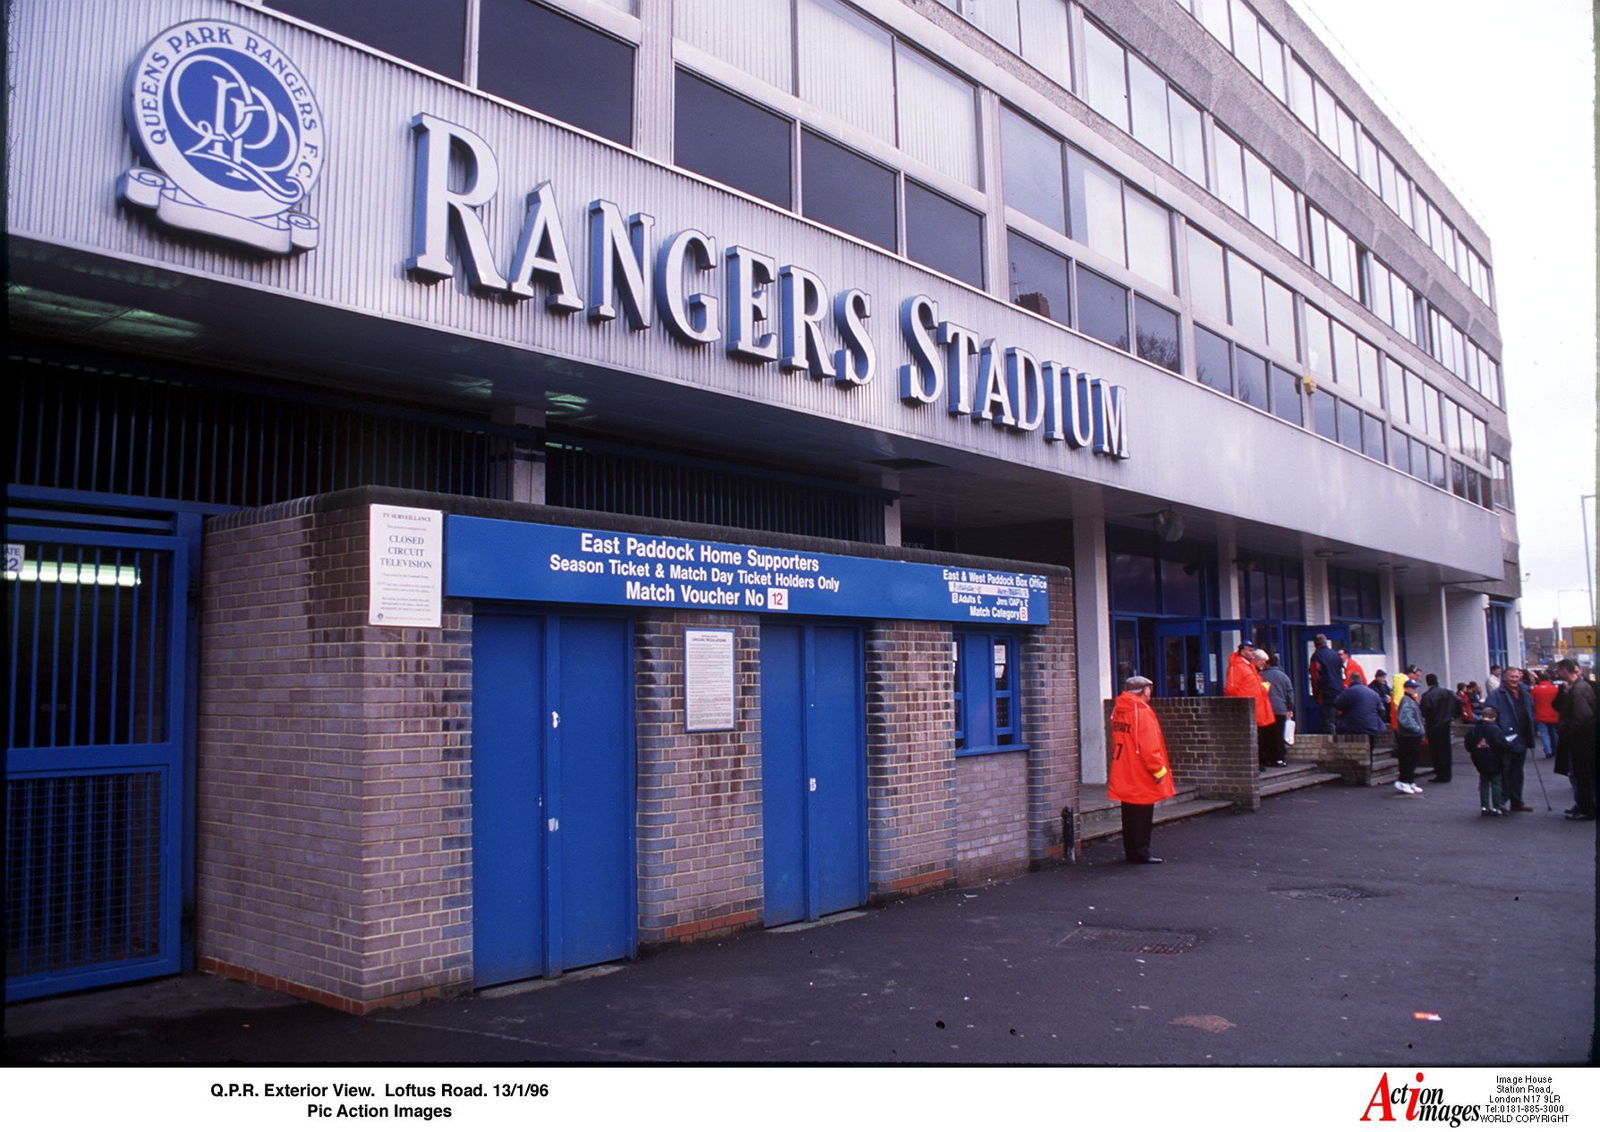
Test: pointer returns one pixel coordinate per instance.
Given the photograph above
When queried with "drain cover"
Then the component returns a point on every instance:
(1334, 892)
(1138, 941)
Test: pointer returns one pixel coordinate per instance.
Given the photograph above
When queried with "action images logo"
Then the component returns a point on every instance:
(1415, 1103)
(233, 131)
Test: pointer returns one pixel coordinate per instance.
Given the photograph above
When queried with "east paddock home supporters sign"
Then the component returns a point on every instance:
(509, 561)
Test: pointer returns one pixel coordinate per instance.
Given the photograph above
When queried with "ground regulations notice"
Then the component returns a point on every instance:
(496, 558)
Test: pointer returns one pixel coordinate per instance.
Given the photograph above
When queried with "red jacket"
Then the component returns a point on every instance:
(1353, 673)
(1544, 699)
(1243, 679)
(1140, 772)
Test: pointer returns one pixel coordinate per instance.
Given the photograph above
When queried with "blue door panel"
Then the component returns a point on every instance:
(813, 770)
(834, 744)
(508, 867)
(783, 786)
(595, 836)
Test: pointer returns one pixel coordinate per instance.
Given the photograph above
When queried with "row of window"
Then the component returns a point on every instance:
(1236, 26)
(1048, 180)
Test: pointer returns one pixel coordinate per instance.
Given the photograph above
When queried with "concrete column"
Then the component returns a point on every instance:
(1466, 636)
(1092, 610)
(1228, 603)
(1428, 635)
(521, 460)
(892, 536)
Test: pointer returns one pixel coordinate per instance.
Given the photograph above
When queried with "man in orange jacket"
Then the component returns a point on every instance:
(1140, 773)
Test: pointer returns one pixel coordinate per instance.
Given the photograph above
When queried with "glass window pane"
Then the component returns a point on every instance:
(1400, 455)
(1430, 401)
(842, 189)
(1157, 334)
(946, 236)
(758, 42)
(558, 66)
(1286, 395)
(1147, 95)
(1394, 393)
(1436, 469)
(1039, 279)
(1327, 117)
(1188, 139)
(998, 21)
(1347, 138)
(1207, 282)
(1044, 38)
(1211, 360)
(1349, 425)
(1149, 239)
(1247, 302)
(1213, 14)
(1252, 378)
(1102, 308)
(1095, 196)
(1105, 83)
(1272, 72)
(1302, 100)
(1367, 369)
(1285, 229)
(1031, 162)
(1258, 193)
(1367, 149)
(1319, 348)
(1229, 172)
(1345, 370)
(938, 117)
(1324, 414)
(1246, 38)
(434, 36)
(847, 66)
(1133, 582)
(1280, 317)
(730, 140)
(1415, 413)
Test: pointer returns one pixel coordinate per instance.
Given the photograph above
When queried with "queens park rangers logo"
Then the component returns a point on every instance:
(234, 134)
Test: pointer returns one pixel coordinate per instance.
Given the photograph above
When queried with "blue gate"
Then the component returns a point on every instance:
(552, 794)
(813, 777)
(98, 802)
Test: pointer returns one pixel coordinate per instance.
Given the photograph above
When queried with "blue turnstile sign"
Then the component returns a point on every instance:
(511, 561)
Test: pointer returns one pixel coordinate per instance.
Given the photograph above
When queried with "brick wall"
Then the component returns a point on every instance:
(992, 801)
(699, 793)
(911, 797)
(1211, 741)
(1050, 721)
(332, 832)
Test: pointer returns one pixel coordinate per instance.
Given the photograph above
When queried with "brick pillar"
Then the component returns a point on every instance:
(1050, 722)
(333, 825)
(699, 793)
(911, 797)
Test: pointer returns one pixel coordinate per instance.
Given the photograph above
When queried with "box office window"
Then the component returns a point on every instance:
(985, 691)
(557, 66)
(732, 140)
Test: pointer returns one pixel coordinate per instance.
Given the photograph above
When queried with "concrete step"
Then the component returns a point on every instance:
(1295, 776)
(1106, 821)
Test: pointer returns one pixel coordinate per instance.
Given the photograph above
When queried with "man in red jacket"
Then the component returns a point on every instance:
(1140, 773)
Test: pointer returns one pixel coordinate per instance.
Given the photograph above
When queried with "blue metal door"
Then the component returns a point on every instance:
(552, 794)
(813, 770)
(96, 748)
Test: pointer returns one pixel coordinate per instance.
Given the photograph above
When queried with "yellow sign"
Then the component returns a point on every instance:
(1583, 636)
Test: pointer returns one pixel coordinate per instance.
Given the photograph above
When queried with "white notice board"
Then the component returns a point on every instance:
(708, 680)
(406, 559)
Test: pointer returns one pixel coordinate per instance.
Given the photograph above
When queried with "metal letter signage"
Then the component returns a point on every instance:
(234, 134)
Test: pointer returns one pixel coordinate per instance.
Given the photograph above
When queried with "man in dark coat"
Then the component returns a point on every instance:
(1515, 708)
(1439, 709)
(1577, 738)
(1327, 680)
(1360, 711)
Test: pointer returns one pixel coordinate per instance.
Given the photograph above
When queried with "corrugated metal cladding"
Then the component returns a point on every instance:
(69, 64)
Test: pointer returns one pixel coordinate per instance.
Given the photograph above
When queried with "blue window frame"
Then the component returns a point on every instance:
(985, 691)
(1495, 623)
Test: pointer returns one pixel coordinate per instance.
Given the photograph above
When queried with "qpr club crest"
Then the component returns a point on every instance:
(233, 133)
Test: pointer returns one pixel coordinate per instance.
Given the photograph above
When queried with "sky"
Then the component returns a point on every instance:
(1500, 99)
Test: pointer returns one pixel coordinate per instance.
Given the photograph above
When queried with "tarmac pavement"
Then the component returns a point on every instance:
(1338, 926)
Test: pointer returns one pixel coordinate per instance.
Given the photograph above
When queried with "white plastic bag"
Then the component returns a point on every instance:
(1288, 732)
